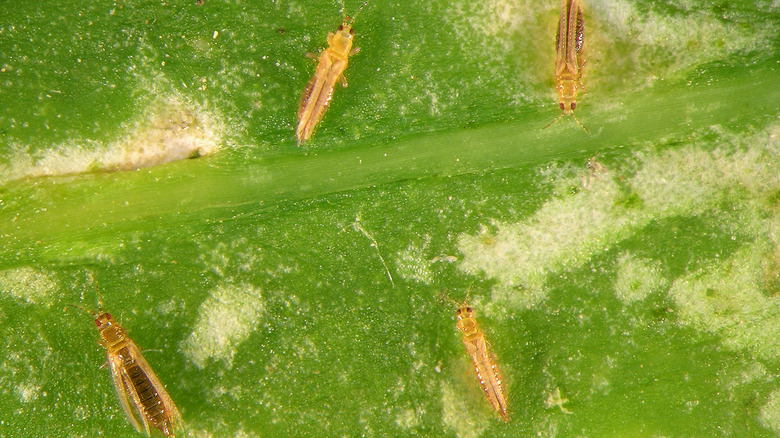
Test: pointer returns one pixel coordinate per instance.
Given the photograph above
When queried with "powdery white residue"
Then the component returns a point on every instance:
(227, 317)
(25, 362)
(412, 264)
(29, 285)
(173, 131)
(230, 259)
(570, 229)
(635, 45)
(554, 399)
(408, 418)
(200, 433)
(769, 414)
(751, 373)
(491, 31)
(170, 130)
(637, 278)
(27, 391)
(458, 413)
(691, 180)
(489, 24)
(563, 235)
(547, 426)
(727, 298)
(678, 41)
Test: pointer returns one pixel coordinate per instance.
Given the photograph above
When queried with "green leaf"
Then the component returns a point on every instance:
(627, 279)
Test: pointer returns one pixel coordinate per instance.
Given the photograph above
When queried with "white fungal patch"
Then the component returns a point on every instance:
(691, 180)
(488, 32)
(488, 24)
(226, 318)
(567, 231)
(201, 433)
(24, 359)
(554, 399)
(170, 130)
(637, 278)
(732, 187)
(412, 264)
(173, 131)
(677, 41)
(640, 44)
(770, 412)
(29, 285)
(407, 418)
(635, 45)
(229, 259)
(563, 235)
(457, 413)
(726, 298)
(751, 373)
(28, 391)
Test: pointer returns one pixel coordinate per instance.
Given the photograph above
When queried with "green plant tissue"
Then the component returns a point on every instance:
(627, 279)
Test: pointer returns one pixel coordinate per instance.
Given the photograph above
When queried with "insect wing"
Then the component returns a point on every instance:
(173, 415)
(317, 94)
(306, 95)
(579, 31)
(313, 88)
(488, 374)
(569, 41)
(561, 37)
(122, 386)
(171, 418)
(494, 382)
(485, 367)
(575, 30)
(314, 99)
(323, 92)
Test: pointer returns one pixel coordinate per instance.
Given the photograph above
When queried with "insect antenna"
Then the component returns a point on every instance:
(99, 298)
(100, 302)
(444, 297)
(97, 292)
(343, 9)
(468, 293)
(573, 116)
(580, 123)
(79, 308)
(553, 122)
(352, 20)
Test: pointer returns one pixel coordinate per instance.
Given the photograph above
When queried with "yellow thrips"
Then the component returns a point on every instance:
(569, 45)
(330, 68)
(484, 365)
(143, 398)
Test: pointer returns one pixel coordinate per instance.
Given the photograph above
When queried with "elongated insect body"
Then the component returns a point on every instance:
(569, 62)
(331, 64)
(488, 375)
(143, 398)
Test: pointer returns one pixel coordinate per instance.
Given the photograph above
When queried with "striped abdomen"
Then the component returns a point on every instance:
(150, 402)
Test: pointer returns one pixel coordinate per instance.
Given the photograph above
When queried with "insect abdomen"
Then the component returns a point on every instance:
(151, 404)
(487, 373)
